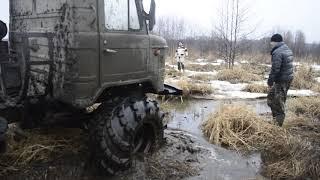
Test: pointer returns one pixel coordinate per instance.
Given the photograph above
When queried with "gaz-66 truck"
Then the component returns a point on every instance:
(66, 55)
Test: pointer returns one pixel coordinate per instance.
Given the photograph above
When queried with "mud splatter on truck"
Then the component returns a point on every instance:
(64, 56)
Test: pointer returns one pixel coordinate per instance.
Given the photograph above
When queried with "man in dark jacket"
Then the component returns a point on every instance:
(280, 77)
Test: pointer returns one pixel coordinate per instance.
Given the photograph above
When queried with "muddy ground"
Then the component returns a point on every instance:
(185, 155)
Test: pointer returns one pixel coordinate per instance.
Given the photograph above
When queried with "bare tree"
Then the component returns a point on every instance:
(230, 29)
(172, 29)
(300, 44)
(289, 39)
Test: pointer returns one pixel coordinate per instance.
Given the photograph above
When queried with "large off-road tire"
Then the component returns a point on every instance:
(123, 127)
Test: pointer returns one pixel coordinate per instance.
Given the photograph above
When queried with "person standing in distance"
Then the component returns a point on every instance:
(181, 54)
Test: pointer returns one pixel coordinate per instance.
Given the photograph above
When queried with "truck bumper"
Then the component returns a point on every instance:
(171, 90)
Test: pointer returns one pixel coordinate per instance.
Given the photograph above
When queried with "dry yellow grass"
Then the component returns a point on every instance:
(316, 87)
(256, 68)
(40, 146)
(293, 159)
(190, 88)
(284, 155)
(234, 126)
(256, 88)
(306, 106)
(237, 75)
(203, 77)
(261, 58)
(304, 78)
(171, 72)
(203, 68)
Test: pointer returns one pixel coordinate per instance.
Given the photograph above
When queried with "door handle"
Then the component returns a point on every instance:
(110, 51)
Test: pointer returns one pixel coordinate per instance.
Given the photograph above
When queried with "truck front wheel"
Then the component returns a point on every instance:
(123, 127)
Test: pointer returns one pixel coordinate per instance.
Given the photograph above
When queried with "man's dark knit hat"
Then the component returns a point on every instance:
(276, 38)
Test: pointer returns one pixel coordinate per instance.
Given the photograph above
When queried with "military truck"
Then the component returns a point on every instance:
(65, 56)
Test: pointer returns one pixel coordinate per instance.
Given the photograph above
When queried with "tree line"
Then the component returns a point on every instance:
(229, 38)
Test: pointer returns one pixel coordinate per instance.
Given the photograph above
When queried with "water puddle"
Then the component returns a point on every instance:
(190, 115)
(221, 163)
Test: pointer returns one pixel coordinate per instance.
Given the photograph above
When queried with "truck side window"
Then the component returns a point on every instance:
(134, 22)
(116, 15)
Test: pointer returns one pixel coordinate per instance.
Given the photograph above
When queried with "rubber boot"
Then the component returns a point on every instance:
(280, 120)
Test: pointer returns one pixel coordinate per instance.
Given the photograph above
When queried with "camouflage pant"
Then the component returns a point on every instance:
(277, 98)
(180, 66)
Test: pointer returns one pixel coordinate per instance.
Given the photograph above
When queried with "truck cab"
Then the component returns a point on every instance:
(64, 56)
(75, 50)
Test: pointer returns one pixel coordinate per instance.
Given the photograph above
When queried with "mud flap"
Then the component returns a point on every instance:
(171, 90)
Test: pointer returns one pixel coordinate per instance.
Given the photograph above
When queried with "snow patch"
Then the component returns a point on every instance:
(264, 83)
(194, 73)
(301, 93)
(296, 63)
(216, 64)
(172, 66)
(316, 67)
(199, 63)
(201, 60)
(244, 62)
(226, 90)
(220, 61)
(240, 95)
(267, 65)
(171, 81)
(227, 86)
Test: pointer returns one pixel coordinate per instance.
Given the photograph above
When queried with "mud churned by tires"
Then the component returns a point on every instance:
(180, 157)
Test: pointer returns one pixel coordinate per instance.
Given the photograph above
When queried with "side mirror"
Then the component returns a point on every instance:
(151, 16)
(3, 30)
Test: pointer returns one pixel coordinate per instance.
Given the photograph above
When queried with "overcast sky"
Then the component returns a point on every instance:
(268, 14)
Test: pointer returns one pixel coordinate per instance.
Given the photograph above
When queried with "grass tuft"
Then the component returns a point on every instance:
(304, 78)
(190, 88)
(238, 75)
(256, 88)
(203, 77)
(306, 106)
(202, 68)
(285, 155)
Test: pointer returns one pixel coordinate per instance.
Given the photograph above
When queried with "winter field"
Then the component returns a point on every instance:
(245, 81)
(228, 108)
(221, 128)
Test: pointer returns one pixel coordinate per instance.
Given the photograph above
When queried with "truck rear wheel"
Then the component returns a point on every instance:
(123, 127)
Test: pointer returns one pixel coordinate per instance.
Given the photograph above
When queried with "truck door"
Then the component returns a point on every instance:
(124, 42)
